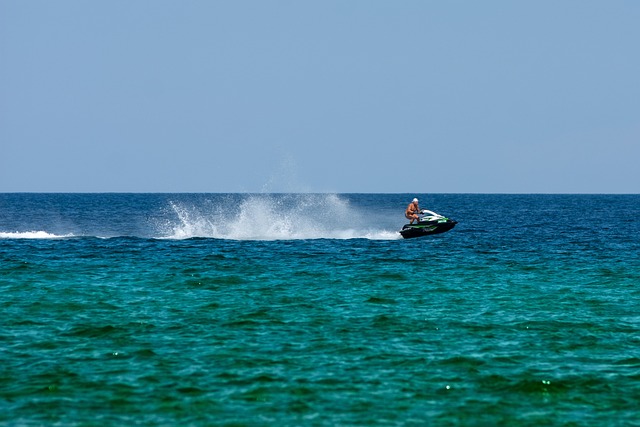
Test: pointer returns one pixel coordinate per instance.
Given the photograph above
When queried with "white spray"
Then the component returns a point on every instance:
(275, 217)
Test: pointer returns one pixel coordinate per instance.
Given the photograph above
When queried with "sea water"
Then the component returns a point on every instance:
(310, 309)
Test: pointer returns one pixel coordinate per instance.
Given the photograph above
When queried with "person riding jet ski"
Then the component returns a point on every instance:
(427, 222)
(412, 211)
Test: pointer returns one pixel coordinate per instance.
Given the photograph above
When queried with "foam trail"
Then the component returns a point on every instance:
(275, 217)
(32, 235)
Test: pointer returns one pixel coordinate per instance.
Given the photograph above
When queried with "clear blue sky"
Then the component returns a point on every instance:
(320, 96)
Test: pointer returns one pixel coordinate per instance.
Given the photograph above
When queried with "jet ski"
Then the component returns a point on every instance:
(429, 223)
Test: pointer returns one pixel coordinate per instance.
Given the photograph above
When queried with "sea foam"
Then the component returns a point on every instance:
(32, 235)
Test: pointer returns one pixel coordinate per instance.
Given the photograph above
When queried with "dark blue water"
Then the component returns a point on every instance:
(210, 309)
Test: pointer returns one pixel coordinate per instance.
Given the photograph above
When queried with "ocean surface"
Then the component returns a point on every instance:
(310, 309)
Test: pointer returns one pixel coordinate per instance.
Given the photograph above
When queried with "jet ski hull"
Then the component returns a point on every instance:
(426, 228)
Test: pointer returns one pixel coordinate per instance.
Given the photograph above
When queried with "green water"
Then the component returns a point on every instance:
(523, 325)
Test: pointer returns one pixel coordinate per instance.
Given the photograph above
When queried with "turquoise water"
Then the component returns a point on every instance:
(196, 309)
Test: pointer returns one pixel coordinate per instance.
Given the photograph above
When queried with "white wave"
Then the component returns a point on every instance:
(32, 235)
(275, 217)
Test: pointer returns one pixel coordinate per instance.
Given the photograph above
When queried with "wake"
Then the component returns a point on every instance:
(274, 217)
(33, 235)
